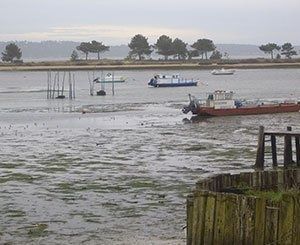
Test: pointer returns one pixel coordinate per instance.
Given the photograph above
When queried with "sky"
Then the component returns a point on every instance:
(115, 22)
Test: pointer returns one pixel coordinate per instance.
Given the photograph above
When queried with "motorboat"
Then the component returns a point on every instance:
(170, 81)
(223, 71)
(221, 103)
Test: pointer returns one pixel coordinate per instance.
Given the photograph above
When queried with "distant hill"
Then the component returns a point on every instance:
(241, 50)
(61, 50)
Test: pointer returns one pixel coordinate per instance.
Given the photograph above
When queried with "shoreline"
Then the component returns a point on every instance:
(191, 66)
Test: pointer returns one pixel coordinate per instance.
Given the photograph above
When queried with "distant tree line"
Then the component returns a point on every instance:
(166, 47)
(178, 49)
(90, 47)
(286, 49)
(139, 48)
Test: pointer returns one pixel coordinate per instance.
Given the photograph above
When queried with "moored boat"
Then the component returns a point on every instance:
(223, 72)
(109, 78)
(221, 103)
(170, 81)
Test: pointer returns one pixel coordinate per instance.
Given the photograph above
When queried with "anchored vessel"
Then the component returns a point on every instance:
(171, 81)
(109, 78)
(223, 72)
(221, 103)
(102, 80)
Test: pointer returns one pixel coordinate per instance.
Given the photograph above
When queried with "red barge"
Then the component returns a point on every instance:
(221, 103)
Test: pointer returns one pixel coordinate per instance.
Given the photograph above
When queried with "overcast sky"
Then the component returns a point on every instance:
(116, 21)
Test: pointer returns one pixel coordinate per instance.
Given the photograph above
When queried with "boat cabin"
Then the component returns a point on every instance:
(170, 81)
(220, 100)
(167, 78)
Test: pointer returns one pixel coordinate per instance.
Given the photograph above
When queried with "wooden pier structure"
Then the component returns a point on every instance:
(260, 207)
(288, 159)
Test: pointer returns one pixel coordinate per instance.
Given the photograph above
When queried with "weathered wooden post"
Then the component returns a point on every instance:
(189, 208)
(297, 142)
(113, 84)
(73, 87)
(274, 150)
(288, 154)
(260, 155)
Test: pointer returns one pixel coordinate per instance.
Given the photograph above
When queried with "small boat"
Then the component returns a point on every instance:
(221, 103)
(170, 81)
(109, 78)
(223, 72)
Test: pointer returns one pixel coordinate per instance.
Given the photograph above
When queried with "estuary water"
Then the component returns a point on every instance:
(120, 173)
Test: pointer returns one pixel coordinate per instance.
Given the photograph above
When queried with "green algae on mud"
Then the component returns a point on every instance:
(38, 230)
(19, 177)
(15, 213)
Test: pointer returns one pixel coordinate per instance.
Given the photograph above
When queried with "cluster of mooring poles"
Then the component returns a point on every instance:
(56, 85)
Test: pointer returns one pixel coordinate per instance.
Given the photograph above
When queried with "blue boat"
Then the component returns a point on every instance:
(160, 81)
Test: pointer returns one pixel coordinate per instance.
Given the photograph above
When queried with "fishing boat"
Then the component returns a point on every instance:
(223, 72)
(221, 103)
(171, 81)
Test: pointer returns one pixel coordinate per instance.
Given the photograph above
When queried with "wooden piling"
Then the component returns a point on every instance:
(247, 216)
(272, 219)
(297, 143)
(189, 225)
(217, 217)
(274, 150)
(296, 237)
(288, 156)
(286, 217)
(209, 220)
(260, 156)
(260, 214)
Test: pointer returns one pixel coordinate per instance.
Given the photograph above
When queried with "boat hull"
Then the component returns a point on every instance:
(164, 85)
(222, 73)
(263, 109)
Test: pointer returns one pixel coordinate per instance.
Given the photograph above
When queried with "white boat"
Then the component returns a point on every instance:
(223, 72)
(171, 81)
(109, 78)
(104, 79)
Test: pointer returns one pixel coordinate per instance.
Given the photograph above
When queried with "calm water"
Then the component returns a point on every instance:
(120, 174)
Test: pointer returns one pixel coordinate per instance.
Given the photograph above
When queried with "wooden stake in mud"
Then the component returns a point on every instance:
(297, 141)
(260, 155)
(274, 150)
(288, 154)
(113, 84)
